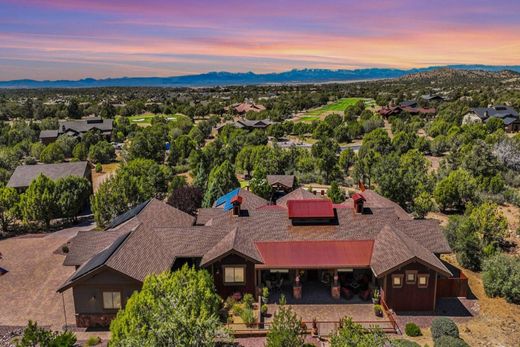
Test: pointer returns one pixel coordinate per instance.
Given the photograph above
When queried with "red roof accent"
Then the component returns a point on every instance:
(310, 208)
(358, 196)
(315, 254)
(236, 198)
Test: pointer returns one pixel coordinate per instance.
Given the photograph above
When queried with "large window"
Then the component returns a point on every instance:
(112, 300)
(234, 274)
(397, 281)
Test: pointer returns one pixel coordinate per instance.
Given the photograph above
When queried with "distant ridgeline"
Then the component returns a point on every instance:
(248, 78)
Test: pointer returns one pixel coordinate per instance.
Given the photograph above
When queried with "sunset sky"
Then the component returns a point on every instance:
(71, 39)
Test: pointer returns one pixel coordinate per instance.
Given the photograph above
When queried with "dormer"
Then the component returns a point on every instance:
(311, 211)
(359, 201)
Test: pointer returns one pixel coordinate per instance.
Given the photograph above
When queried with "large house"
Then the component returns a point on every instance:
(77, 127)
(507, 114)
(300, 244)
(409, 106)
(23, 175)
(247, 124)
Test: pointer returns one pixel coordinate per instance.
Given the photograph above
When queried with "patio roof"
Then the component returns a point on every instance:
(324, 254)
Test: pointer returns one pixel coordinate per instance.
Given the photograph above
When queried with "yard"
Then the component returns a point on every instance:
(145, 119)
(335, 107)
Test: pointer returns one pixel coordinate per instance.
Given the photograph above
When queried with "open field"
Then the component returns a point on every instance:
(145, 119)
(338, 106)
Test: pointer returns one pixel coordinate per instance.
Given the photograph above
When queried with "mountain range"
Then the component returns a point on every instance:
(211, 79)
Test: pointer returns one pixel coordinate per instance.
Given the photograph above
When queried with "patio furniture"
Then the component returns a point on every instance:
(279, 284)
(347, 293)
(365, 294)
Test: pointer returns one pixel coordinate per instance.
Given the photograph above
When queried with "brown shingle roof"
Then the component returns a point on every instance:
(375, 200)
(393, 248)
(285, 180)
(297, 194)
(24, 174)
(86, 244)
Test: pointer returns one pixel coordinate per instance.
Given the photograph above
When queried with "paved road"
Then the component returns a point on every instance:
(28, 290)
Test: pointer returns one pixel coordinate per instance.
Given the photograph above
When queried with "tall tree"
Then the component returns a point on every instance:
(9, 208)
(222, 180)
(39, 201)
(72, 194)
(286, 330)
(172, 309)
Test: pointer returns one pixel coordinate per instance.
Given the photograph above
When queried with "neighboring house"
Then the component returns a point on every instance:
(246, 107)
(281, 184)
(295, 246)
(78, 127)
(409, 106)
(507, 114)
(23, 175)
(432, 97)
(248, 124)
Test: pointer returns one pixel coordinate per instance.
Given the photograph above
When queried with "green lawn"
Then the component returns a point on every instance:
(146, 118)
(338, 106)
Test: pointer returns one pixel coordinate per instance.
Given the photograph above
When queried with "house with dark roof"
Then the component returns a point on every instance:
(302, 243)
(23, 175)
(408, 106)
(281, 184)
(247, 124)
(77, 128)
(507, 114)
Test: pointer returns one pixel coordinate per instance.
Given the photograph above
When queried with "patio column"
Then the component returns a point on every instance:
(297, 286)
(335, 289)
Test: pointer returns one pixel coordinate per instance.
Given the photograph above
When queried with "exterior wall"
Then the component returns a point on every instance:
(224, 290)
(88, 297)
(410, 297)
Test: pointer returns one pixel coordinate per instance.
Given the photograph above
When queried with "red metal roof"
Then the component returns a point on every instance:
(310, 208)
(308, 254)
(358, 196)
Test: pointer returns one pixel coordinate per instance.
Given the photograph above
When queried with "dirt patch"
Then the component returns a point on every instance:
(497, 322)
(435, 162)
(100, 177)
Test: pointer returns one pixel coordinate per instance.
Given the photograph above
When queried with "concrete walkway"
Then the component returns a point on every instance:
(28, 290)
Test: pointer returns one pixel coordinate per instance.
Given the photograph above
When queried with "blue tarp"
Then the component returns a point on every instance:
(226, 199)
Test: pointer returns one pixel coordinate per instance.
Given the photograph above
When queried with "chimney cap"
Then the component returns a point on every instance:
(357, 197)
(237, 199)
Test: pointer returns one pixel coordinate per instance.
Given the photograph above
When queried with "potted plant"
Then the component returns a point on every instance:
(376, 297)
(378, 310)
(265, 295)
(264, 309)
(314, 331)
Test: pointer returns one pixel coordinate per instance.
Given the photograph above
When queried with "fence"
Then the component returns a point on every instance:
(452, 287)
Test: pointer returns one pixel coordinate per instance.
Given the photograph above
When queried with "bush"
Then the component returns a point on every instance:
(248, 316)
(411, 329)
(93, 341)
(404, 343)
(248, 300)
(501, 277)
(33, 335)
(99, 167)
(264, 309)
(237, 309)
(444, 327)
(449, 341)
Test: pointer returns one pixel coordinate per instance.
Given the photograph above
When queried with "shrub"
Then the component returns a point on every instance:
(237, 309)
(33, 335)
(265, 295)
(444, 327)
(248, 316)
(449, 341)
(248, 300)
(93, 340)
(99, 167)
(411, 329)
(264, 309)
(501, 277)
(229, 303)
(404, 343)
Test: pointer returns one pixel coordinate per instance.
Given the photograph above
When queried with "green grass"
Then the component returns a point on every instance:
(146, 118)
(338, 106)
(309, 118)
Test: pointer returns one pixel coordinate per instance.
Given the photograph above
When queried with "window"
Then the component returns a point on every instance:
(411, 277)
(422, 280)
(234, 274)
(397, 281)
(112, 300)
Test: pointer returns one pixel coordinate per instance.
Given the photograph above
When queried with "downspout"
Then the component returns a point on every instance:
(64, 311)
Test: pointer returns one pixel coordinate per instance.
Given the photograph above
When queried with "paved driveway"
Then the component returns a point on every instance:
(28, 290)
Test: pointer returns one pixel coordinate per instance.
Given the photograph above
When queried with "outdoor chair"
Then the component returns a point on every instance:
(365, 294)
